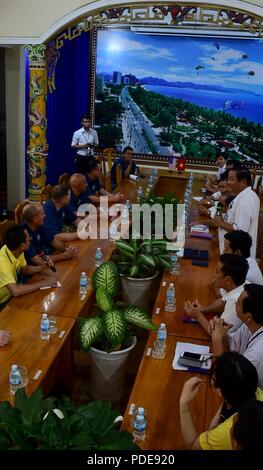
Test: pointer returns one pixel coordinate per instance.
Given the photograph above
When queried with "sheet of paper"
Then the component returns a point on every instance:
(189, 347)
(198, 198)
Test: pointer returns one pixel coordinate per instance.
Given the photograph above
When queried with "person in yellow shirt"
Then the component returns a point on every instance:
(13, 264)
(234, 378)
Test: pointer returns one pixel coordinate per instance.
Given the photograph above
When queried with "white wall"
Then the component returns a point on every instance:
(15, 125)
(26, 21)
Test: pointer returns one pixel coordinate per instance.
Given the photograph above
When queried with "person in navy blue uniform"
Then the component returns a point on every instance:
(80, 191)
(95, 187)
(128, 166)
(59, 213)
(41, 243)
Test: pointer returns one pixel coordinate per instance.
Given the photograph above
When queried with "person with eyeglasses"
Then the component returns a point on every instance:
(13, 265)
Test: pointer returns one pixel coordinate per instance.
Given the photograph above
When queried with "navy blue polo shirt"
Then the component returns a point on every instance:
(82, 198)
(39, 242)
(124, 165)
(94, 186)
(55, 219)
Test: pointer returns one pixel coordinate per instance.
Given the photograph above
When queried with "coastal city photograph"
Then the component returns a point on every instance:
(190, 96)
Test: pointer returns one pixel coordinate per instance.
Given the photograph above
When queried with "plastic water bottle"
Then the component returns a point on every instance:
(128, 205)
(170, 305)
(150, 183)
(14, 379)
(159, 345)
(175, 269)
(139, 424)
(44, 327)
(125, 213)
(83, 284)
(139, 193)
(113, 232)
(155, 172)
(98, 257)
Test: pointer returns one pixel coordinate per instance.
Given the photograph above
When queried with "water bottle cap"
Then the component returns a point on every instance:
(98, 249)
(83, 273)
(141, 410)
(171, 284)
(163, 325)
(14, 367)
(44, 316)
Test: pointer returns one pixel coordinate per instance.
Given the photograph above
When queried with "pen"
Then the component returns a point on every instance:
(198, 370)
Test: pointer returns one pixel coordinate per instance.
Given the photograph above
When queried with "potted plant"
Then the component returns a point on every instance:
(34, 423)
(139, 263)
(169, 199)
(109, 336)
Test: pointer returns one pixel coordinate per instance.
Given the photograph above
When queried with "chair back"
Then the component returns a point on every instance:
(64, 180)
(107, 182)
(118, 175)
(45, 194)
(19, 209)
(109, 154)
(4, 226)
(258, 185)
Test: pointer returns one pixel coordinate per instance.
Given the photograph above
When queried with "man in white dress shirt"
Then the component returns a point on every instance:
(243, 212)
(84, 141)
(248, 339)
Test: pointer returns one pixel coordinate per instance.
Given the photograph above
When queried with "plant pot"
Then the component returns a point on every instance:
(107, 373)
(139, 291)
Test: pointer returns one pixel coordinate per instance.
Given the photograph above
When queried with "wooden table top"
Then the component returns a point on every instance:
(27, 349)
(158, 388)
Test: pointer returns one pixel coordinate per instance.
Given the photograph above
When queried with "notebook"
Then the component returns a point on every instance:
(195, 234)
(189, 253)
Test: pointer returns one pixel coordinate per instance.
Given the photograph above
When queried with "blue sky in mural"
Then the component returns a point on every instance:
(232, 63)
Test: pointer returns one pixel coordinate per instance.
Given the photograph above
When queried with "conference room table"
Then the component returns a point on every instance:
(64, 302)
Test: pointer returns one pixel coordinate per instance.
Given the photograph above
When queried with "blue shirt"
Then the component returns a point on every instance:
(94, 186)
(124, 164)
(82, 198)
(55, 219)
(39, 242)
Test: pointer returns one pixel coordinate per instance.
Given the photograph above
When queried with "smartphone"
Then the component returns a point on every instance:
(189, 359)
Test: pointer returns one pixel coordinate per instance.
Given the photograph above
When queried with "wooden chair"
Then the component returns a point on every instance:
(118, 175)
(258, 185)
(109, 154)
(107, 182)
(64, 179)
(19, 209)
(4, 226)
(45, 194)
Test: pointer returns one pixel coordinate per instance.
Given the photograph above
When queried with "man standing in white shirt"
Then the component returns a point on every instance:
(84, 141)
(243, 212)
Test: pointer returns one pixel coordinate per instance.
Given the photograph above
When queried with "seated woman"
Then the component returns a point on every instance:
(234, 378)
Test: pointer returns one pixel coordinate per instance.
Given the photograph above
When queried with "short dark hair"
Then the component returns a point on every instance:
(240, 240)
(234, 266)
(229, 198)
(85, 116)
(235, 163)
(127, 148)
(92, 165)
(221, 154)
(59, 191)
(243, 174)
(235, 376)
(253, 302)
(15, 236)
(248, 429)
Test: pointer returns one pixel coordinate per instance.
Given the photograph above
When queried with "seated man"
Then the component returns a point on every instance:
(40, 242)
(128, 166)
(94, 186)
(230, 275)
(13, 263)
(79, 191)
(59, 213)
(248, 339)
(240, 242)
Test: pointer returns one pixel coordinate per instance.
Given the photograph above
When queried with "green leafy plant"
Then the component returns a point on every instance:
(138, 258)
(151, 199)
(110, 330)
(34, 423)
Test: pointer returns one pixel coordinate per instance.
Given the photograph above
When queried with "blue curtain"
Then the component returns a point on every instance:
(66, 105)
(27, 78)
